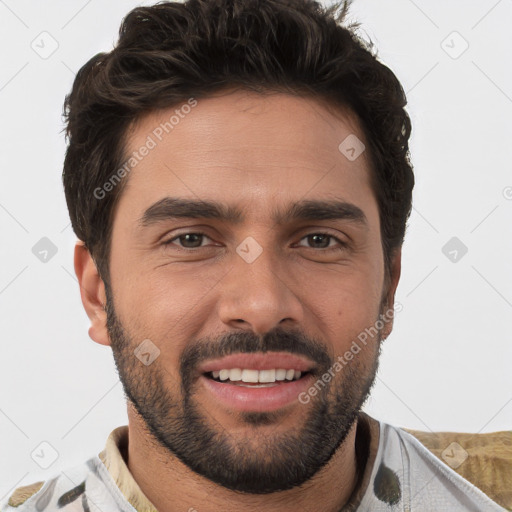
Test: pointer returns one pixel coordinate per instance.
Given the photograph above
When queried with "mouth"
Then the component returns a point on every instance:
(252, 378)
(256, 382)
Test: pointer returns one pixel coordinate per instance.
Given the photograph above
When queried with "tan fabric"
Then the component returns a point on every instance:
(483, 459)
(22, 494)
(114, 456)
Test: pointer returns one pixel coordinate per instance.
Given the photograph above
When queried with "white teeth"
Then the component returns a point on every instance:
(280, 374)
(235, 374)
(267, 376)
(250, 375)
(255, 376)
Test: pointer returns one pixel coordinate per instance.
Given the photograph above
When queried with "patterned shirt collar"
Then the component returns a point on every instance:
(114, 457)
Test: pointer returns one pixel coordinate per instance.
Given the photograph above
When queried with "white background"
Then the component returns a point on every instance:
(445, 367)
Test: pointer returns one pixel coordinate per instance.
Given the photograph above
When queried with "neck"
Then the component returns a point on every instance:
(171, 486)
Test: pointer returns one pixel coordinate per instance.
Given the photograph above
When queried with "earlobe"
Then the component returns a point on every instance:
(92, 292)
(396, 270)
(394, 278)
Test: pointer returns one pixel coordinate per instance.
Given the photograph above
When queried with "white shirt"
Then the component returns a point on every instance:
(404, 477)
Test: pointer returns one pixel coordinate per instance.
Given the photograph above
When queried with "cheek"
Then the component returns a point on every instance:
(347, 306)
(165, 304)
(352, 293)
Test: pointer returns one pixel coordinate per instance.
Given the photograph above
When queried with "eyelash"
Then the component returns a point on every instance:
(186, 249)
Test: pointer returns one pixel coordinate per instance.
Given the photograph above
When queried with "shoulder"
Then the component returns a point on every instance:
(54, 493)
(22, 494)
(485, 460)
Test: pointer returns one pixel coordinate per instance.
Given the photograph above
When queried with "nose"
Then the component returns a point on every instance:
(259, 295)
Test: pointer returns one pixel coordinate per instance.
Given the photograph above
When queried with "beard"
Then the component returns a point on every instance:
(261, 462)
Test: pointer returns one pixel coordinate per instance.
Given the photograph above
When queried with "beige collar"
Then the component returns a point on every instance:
(114, 456)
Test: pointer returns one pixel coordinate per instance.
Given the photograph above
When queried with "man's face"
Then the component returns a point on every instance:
(289, 292)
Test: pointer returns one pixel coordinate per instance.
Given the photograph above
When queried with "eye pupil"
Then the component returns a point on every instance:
(187, 237)
(318, 236)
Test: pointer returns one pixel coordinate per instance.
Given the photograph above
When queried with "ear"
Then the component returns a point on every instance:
(389, 294)
(92, 292)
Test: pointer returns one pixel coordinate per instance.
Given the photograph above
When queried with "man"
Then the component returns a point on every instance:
(238, 175)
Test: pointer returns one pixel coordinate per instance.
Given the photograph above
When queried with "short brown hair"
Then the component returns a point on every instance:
(170, 52)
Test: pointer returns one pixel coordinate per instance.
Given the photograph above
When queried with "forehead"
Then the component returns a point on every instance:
(246, 148)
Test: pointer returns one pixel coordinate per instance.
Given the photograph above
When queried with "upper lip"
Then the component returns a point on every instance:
(258, 361)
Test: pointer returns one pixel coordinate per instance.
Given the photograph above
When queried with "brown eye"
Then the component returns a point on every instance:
(322, 241)
(319, 241)
(188, 240)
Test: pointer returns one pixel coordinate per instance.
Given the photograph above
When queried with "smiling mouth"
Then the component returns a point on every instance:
(246, 377)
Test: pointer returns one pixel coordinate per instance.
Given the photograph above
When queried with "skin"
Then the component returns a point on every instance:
(258, 153)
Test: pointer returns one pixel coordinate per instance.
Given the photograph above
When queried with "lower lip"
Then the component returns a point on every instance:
(265, 399)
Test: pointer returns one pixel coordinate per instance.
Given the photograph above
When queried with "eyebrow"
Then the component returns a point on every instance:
(170, 208)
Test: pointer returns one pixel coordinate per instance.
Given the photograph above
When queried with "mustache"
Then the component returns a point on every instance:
(276, 340)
